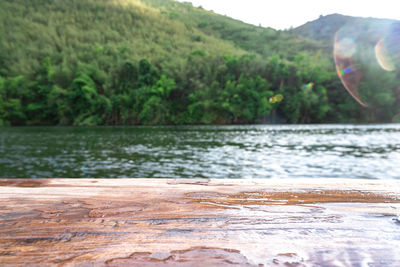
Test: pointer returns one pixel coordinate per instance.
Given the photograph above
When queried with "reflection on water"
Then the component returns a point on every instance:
(261, 151)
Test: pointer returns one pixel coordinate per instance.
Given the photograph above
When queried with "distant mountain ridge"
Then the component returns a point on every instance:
(325, 27)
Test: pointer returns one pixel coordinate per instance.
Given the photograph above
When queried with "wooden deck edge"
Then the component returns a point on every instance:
(193, 222)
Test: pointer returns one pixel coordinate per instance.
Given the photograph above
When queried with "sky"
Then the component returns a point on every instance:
(283, 14)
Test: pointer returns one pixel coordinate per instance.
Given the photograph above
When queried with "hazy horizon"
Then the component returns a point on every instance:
(278, 16)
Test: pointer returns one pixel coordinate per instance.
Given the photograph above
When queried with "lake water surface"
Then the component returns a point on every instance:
(261, 151)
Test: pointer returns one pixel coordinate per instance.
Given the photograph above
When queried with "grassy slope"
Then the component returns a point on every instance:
(264, 41)
(76, 30)
(163, 31)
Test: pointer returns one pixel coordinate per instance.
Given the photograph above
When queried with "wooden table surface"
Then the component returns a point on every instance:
(168, 222)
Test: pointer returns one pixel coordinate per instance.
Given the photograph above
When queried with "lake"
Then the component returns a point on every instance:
(251, 151)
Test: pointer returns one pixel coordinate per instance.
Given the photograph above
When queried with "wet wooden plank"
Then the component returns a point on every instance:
(151, 222)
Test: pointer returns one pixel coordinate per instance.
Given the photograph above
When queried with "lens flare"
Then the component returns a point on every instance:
(83, 171)
(348, 74)
(308, 86)
(345, 47)
(383, 57)
(279, 97)
(367, 58)
(272, 100)
(392, 44)
(345, 71)
(275, 99)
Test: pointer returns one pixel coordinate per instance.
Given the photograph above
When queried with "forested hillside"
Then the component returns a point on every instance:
(130, 62)
(324, 28)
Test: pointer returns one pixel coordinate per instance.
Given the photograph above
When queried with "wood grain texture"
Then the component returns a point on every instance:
(161, 222)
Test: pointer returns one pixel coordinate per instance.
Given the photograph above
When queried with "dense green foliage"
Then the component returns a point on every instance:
(128, 62)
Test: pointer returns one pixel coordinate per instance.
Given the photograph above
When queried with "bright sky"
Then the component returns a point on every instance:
(282, 14)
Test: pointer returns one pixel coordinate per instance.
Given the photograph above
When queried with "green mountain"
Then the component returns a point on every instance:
(95, 62)
(75, 31)
(325, 27)
(369, 48)
(158, 30)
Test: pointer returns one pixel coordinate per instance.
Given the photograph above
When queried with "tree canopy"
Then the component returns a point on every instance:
(130, 62)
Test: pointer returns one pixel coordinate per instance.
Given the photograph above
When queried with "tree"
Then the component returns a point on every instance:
(148, 74)
(157, 109)
(87, 107)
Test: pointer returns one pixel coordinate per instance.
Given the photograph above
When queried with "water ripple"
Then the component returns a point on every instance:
(262, 151)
